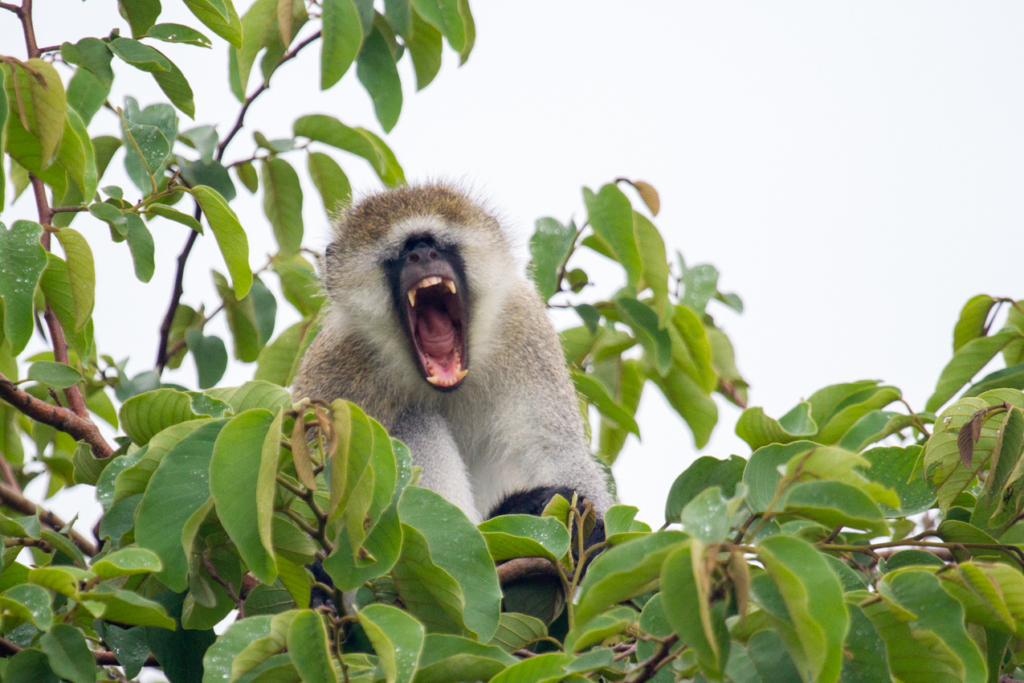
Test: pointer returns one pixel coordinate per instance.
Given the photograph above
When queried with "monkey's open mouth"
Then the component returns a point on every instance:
(435, 321)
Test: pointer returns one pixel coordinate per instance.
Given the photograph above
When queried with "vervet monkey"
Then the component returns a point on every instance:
(433, 331)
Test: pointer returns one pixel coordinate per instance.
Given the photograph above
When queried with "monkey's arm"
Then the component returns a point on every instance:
(430, 441)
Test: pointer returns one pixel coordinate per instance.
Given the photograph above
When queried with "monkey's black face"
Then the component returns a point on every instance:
(429, 286)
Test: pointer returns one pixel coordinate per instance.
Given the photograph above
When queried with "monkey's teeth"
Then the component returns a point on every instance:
(412, 297)
(450, 285)
(460, 374)
(428, 282)
(434, 380)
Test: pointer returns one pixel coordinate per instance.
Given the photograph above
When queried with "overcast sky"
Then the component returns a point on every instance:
(854, 170)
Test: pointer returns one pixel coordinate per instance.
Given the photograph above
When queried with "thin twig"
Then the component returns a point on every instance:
(103, 658)
(239, 601)
(8, 473)
(650, 666)
(14, 500)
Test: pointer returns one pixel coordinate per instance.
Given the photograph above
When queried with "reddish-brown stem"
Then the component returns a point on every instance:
(30, 32)
(14, 500)
(8, 474)
(59, 418)
(103, 658)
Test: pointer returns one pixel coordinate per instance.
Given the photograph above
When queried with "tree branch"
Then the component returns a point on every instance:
(57, 417)
(165, 327)
(650, 666)
(103, 658)
(25, 14)
(16, 501)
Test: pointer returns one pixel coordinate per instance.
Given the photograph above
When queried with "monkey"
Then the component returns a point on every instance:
(432, 330)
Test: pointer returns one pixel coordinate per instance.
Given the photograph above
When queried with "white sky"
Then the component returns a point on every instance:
(854, 170)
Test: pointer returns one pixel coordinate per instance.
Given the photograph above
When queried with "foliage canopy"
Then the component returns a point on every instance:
(856, 542)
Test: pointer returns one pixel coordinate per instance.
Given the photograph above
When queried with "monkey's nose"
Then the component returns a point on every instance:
(422, 252)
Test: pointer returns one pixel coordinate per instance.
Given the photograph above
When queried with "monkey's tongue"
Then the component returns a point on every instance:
(436, 333)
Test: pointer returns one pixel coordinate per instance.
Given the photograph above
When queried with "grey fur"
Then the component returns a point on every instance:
(514, 424)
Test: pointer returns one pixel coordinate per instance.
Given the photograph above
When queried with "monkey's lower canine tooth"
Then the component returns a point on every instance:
(450, 285)
(412, 297)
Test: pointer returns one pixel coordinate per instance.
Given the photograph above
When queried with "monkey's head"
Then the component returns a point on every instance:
(419, 273)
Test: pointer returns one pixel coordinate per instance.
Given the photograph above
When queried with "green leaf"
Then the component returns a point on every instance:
(703, 473)
(145, 415)
(244, 463)
(179, 652)
(653, 262)
(86, 96)
(231, 239)
(211, 357)
(516, 631)
(165, 72)
(56, 375)
(1011, 378)
(217, 660)
(69, 654)
(22, 260)
(397, 639)
(814, 601)
(692, 404)
(625, 571)
(377, 72)
(29, 666)
(81, 274)
(253, 395)
(174, 215)
(127, 562)
(920, 592)
(599, 628)
(684, 593)
(247, 174)
(211, 173)
(358, 141)
(330, 181)
(282, 202)
(444, 15)
(220, 17)
(967, 361)
(833, 503)
(611, 217)
(148, 136)
(41, 114)
(595, 393)
(178, 487)
(424, 45)
(241, 317)
(759, 430)
(140, 241)
(93, 55)
(511, 536)
(342, 37)
(642, 318)
(29, 602)
(176, 33)
(141, 14)
(709, 515)
(457, 547)
(259, 29)
(451, 659)
(277, 361)
(546, 668)
(893, 467)
(692, 351)
(309, 649)
(700, 285)
(973, 316)
(549, 247)
(300, 284)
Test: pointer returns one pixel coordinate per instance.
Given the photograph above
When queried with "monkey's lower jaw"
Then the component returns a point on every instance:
(435, 321)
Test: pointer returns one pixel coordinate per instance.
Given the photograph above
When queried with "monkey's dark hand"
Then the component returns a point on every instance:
(533, 502)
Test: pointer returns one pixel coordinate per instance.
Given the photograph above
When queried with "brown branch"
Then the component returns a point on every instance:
(650, 666)
(239, 601)
(8, 473)
(19, 541)
(16, 501)
(103, 658)
(179, 288)
(30, 32)
(68, 209)
(57, 417)
(10, 8)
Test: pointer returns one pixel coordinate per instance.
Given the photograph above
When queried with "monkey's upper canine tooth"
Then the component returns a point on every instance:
(450, 285)
(433, 380)
(460, 374)
(412, 297)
